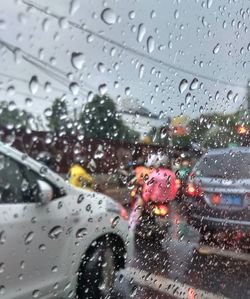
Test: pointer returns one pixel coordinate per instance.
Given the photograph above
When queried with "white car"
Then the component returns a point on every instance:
(56, 240)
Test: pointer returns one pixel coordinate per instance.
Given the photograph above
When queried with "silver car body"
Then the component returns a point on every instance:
(34, 259)
(234, 185)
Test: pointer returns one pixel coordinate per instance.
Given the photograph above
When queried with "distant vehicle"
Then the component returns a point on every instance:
(217, 195)
(56, 240)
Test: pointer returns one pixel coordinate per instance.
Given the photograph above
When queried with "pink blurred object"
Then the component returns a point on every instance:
(160, 186)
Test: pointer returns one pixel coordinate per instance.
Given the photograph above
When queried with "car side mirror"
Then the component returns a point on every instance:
(45, 192)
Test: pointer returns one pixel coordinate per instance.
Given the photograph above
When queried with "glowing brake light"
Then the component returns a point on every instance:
(160, 210)
(193, 191)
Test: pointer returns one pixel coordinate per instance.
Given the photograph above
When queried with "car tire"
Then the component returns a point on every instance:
(98, 270)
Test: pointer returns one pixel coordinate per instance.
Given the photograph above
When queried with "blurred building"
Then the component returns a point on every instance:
(140, 118)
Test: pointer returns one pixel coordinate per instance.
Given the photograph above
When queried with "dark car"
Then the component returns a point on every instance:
(217, 195)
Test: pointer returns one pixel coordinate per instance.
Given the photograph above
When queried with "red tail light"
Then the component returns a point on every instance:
(193, 191)
(160, 210)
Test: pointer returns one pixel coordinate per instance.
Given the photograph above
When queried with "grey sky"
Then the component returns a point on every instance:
(185, 34)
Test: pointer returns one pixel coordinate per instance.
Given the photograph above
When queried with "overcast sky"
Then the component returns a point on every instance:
(179, 41)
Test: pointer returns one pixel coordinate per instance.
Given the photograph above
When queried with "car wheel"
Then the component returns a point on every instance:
(98, 270)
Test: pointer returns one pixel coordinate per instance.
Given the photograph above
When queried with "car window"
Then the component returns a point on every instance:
(16, 186)
(229, 165)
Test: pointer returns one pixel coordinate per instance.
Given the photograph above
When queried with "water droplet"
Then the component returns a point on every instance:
(2, 267)
(11, 90)
(108, 16)
(103, 89)
(80, 198)
(209, 3)
(131, 14)
(127, 91)
(194, 84)
(54, 269)
(36, 294)
(153, 14)
(74, 88)
(141, 71)
(115, 221)
(81, 233)
(74, 6)
(63, 23)
(33, 85)
(28, 101)
(77, 60)
(18, 55)
(183, 85)
(216, 49)
(230, 95)
(48, 112)
(141, 32)
(188, 98)
(42, 247)
(28, 238)
(99, 153)
(176, 14)
(45, 25)
(150, 44)
(55, 232)
(2, 237)
(101, 67)
(236, 98)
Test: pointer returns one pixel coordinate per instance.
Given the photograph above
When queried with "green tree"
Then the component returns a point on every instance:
(13, 118)
(58, 118)
(216, 130)
(100, 119)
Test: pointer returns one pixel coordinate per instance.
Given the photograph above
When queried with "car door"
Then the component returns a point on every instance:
(34, 238)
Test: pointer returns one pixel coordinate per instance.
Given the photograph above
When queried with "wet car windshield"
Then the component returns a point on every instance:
(109, 110)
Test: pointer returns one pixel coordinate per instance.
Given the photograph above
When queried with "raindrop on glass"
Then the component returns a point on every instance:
(183, 85)
(81, 233)
(33, 85)
(150, 44)
(36, 294)
(131, 14)
(29, 238)
(74, 88)
(194, 84)
(77, 60)
(216, 49)
(55, 232)
(209, 3)
(74, 6)
(108, 16)
(141, 32)
(2, 237)
(103, 89)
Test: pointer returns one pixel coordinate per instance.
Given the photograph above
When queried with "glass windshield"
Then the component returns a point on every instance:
(111, 104)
